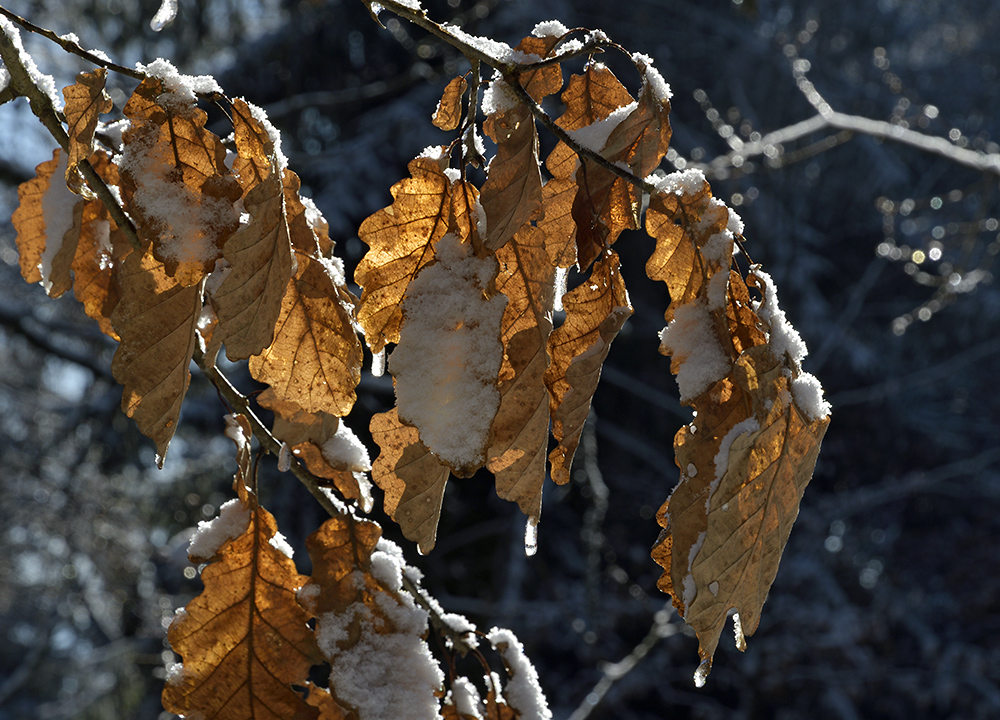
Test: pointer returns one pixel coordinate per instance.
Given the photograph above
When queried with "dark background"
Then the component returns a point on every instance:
(887, 604)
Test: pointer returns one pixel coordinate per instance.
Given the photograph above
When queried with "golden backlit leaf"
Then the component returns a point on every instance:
(86, 100)
(48, 222)
(340, 549)
(607, 204)
(307, 228)
(256, 157)
(591, 97)
(244, 641)
(448, 114)
(683, 221)
(512, 193)
(175, 182)
(516, 455)
(100, 249)
(595, 312)
(546, 80)
(557, 222)
(156, 319)
(400, 239)
(412, 479)
(315, 358)
(249, 300)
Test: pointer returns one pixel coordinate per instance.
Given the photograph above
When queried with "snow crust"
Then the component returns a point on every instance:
(493, 48)
(498, 98)
(683, 182)
(549, 28)
(523, 692)
(44, 82)
(690, 340)
(449, 353)
(231, 522)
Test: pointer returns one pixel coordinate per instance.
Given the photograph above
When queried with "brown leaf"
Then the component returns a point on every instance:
(85, 101)
(248, 302)
(448, 114)
(156, 319)
(101, 248)
(512, 193)
(412, 478)
(244, 641)
(400, 239)
(307, 228)
(521, 428)
(546, 80)
(592, 97)
(557, 222)
(175, 182)
(595, 312)
(315, 359)
(256, 156)
(48, 222)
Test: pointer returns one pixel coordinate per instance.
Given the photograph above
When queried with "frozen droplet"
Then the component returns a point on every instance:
(164, 16)
(284, 458)
(531, 537)
(701, 674)
(378, 363)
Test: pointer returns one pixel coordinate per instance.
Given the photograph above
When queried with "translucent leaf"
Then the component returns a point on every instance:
(244, 641)
(86, 100)
(512, 193)
(448, 114)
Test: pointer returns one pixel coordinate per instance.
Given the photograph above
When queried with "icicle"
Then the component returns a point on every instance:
(164, 16)
(701, 674)
(741, 642)
(531, 537)
(378, 363)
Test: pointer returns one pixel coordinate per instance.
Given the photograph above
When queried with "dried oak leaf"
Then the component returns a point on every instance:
(175, 182)
(245, 640)
(411, 477)
(595, 312)
(517, 450)
(605, 203)
(256, 154)
(48, 222)
(401, 241)
(315, 358)
(544, 81)
(86, 100)
(512, 193)
(156, 319)
(448, 114)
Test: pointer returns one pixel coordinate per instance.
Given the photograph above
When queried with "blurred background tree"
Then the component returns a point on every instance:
(886, 606)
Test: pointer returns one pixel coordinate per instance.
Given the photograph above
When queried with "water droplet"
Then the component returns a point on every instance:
(531, 537)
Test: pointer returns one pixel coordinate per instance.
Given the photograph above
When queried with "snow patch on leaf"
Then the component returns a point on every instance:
(691, 340)
(231, 522)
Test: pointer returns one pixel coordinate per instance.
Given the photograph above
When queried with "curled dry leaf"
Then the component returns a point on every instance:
(86, 100)
(512, 193)
(595, 312)
(156, 319)
(448, 114)
(245, 640)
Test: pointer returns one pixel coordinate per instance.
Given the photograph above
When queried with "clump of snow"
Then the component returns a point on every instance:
(808, 395)
(57, 215)
(432, 152)
(683, 182)
(4, 79)
(164, 16)
(453, 175)
(42, 81)
(231, 522)
(181, 90)
(691, 341)
(549, 28)
(279, 543)
(345, 451)
(523, 692)
(653, 80)
(735, 224)
(498, 98)
(465, 698)
(449, 353)
(389, 671)
(188, 221)
(595, 136)
(378, 363)
(717, 287)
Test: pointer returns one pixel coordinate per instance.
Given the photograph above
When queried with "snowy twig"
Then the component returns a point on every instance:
(71, 47)
(41, 105)
(613, 672)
